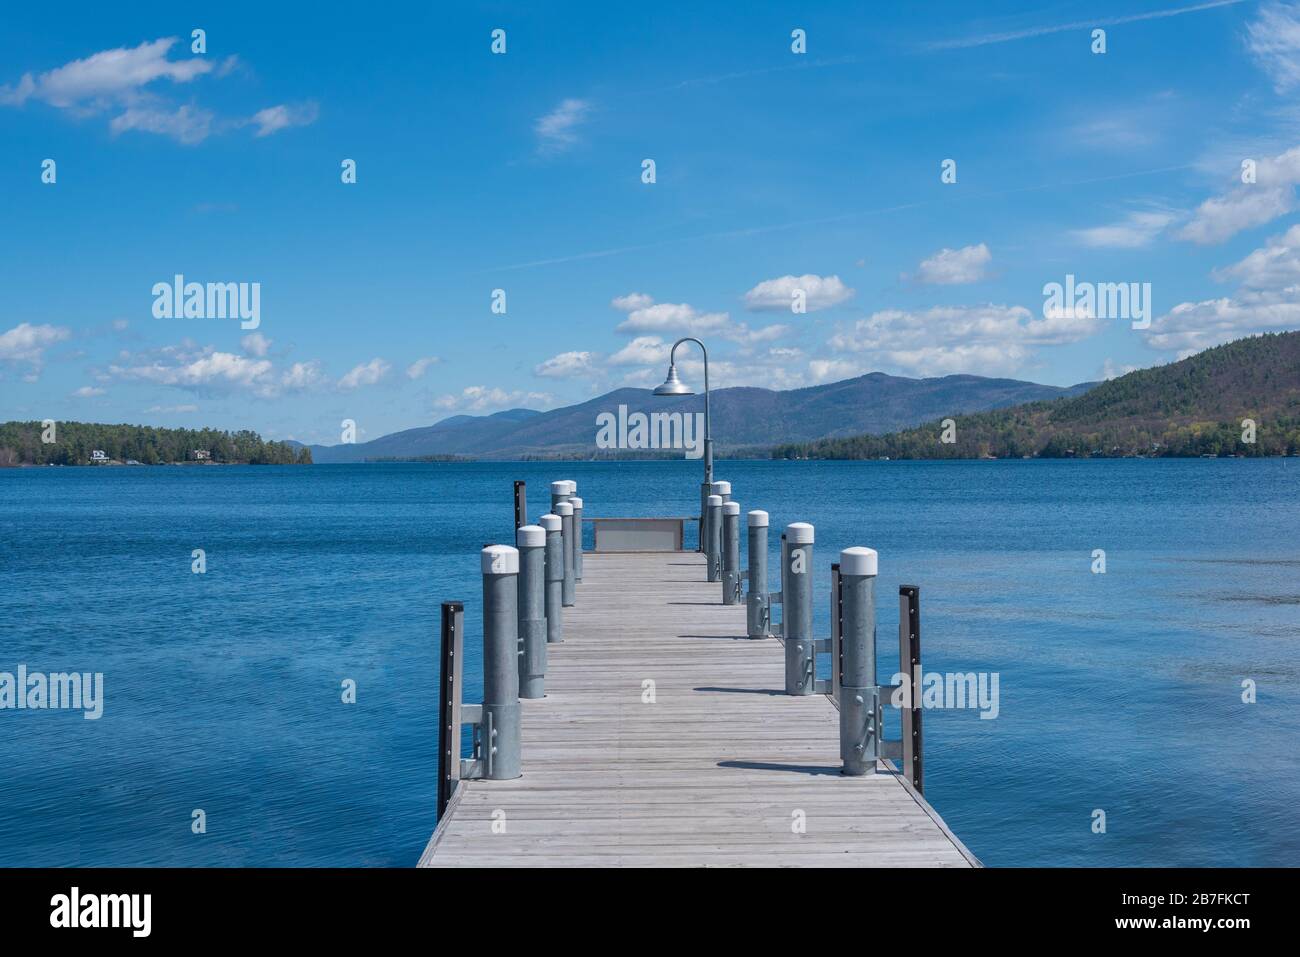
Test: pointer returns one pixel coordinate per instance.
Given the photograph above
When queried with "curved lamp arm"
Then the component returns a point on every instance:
(708, 425)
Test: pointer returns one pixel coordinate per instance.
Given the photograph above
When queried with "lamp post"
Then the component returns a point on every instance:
(674, 386)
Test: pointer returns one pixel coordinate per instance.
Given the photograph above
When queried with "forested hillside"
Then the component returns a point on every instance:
(1197, 406)
(21, 444)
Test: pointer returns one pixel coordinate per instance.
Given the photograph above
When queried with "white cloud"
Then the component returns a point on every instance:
(1276, 264)
(1248, 205)
(1268, 300)
(107, 77)
(481, 398)
(1273, 38)
(566, 365)
(26, 344)
(950, 267)
(643, 350)
(368, 373)
(557, 130)
(255, 344)
(988, 340)
(186, 124)
(750, 337)
(276, 118)
(633, 300)
(128, 78)
(1134, 231)
(674, 317)
(1111, 370)
(679, 318)
(832, 370)
(777, 295)
(171, 409)
(1192, 326)
(88, 392)
(419, 367)
(204, 370)
(302, 376)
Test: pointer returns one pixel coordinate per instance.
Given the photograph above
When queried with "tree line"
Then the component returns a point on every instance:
(23, 443)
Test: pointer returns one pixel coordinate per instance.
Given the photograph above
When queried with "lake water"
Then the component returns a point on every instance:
(1119, 691)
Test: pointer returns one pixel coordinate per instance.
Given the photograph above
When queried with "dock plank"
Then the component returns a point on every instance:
(713, 773)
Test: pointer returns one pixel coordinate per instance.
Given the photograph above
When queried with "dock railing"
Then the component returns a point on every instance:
(514, 653)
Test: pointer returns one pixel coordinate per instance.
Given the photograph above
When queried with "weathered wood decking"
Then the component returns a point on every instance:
(712, 773)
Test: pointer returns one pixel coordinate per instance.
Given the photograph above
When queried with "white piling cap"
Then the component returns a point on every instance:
(560, 488)
(563, 509)
(722, 488)
(572, 486)
(758, 518)
(530, 536)
(551, 523)
(799, 533)
(500, 560)
(858, 561)
(714, 500)
(575, 502)
(730, 508)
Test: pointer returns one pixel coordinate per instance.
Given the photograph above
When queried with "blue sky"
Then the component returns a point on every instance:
(775, 171)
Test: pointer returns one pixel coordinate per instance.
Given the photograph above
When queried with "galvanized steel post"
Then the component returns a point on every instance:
(797, 610)
(560, 493)
(568, 591)
(730, 553)
(714, 553)
(531, 542)
(554, 577)
(859, 694)
(577, 537)
(500, 725)
(758, 611)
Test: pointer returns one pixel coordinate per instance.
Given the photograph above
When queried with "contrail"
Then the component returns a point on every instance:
(1079, 25)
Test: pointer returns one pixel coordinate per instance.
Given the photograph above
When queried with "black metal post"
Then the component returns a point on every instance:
(909, 658)
(521, 503)
(449, 695)
(837, 632)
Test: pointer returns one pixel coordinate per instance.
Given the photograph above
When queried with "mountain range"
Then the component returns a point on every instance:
(742, 417)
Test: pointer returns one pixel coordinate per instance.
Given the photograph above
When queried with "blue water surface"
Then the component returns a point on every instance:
(1120, 692)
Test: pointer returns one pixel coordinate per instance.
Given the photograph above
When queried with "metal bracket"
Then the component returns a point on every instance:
(475, 767)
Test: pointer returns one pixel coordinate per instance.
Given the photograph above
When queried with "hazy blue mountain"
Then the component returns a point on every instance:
(742, 417)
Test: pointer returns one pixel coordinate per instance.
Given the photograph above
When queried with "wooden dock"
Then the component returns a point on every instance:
(718, 771)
